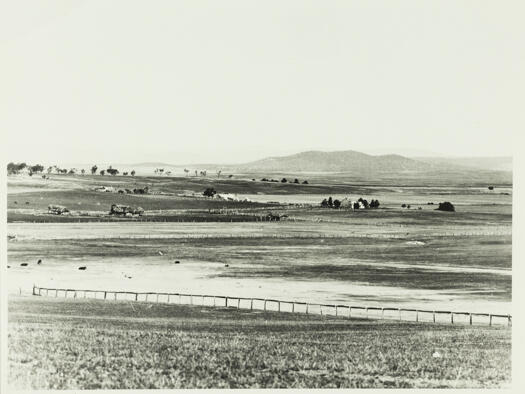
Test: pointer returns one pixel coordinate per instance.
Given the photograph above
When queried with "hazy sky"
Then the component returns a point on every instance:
(233, 81)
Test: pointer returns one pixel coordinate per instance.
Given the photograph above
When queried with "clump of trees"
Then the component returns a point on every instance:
(446, 206)
(13, 168)
(361, 202)
(209, 192)
(284, 180)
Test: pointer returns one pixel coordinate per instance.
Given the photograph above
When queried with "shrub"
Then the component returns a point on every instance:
(446, 206)
(337, 204)
(284, 180)
(305, 182)
(209, 192)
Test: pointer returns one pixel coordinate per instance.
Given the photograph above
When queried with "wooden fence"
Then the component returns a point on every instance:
(266, 304)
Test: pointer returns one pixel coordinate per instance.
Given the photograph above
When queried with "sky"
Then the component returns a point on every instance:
(201, 81)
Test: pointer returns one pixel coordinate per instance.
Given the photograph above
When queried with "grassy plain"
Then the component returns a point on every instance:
(90, 344)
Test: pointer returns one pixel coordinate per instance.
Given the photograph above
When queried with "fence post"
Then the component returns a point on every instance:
(168, 299)
(226, 302)
(321, 309)
(336, 311)
(136, 296)
(452, 317)
(470, 318)
(146, 297)
(213, 300)
(34, 290)
(265, 305)
(202, 300)
(382, 313)
(180, 299)
(278, 306)
(417, 316)
(509, 321)
(349, 312)
(293, 307)
(115, 296)
(399, 309)
(434, 316)
(251, 304)
(306, 308)
(238, 303)
(84, 293)
(56, 293)
(367, 313)
(75, 294)
(490, 320)
(191, 300)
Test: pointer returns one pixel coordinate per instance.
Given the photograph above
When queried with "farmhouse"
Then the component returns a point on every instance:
(124, 210)
(57, 210)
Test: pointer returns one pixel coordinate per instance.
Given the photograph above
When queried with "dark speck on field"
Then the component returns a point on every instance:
(39, 261)
(82, 268)
(23, 264)
(177, 262)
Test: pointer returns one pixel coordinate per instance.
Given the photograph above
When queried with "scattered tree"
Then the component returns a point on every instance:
(296, 180)
(305, 182)
(187, 171)
(94, 170)
(13, 168)
(125, 173)
(82, 171)
(112, 171)
(356, 205)
(102, 172)
(284, 180)
(133, 173)
(36, 168)
(337, 204)
(330, 202)
(491, 187)
(324, 203)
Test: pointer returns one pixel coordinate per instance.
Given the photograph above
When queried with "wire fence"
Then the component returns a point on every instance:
(267, 304)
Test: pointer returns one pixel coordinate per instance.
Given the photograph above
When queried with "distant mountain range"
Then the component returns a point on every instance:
(338, 161)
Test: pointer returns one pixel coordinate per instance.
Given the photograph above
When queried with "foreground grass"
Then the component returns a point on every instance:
(89, 344)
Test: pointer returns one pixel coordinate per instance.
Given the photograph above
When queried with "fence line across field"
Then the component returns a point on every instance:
(268, 304)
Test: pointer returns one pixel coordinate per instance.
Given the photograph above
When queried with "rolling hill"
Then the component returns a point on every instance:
(338, 161)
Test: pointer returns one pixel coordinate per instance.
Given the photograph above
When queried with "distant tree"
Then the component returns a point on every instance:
(374, 204)
(296, 180)
(305, 182)
(82, 171)
(196, 173)
(356, 205)
(133, 173)
(102, 172)
(36, 168)
(49, 169)
(324, 203)
(408, 206)
(446, 206)
(403, 205)
(112, 171)
(13, 168)
(219, 173)
(337, 204)
(94, 170)
(187, 171)
(330, 202)
(284, 180)
(209, 192)
(72, 171)
(125, 173)
(491, 187)
(230, 176)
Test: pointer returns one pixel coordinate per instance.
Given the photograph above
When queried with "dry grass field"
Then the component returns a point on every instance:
(391, 256)
(92, 344)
